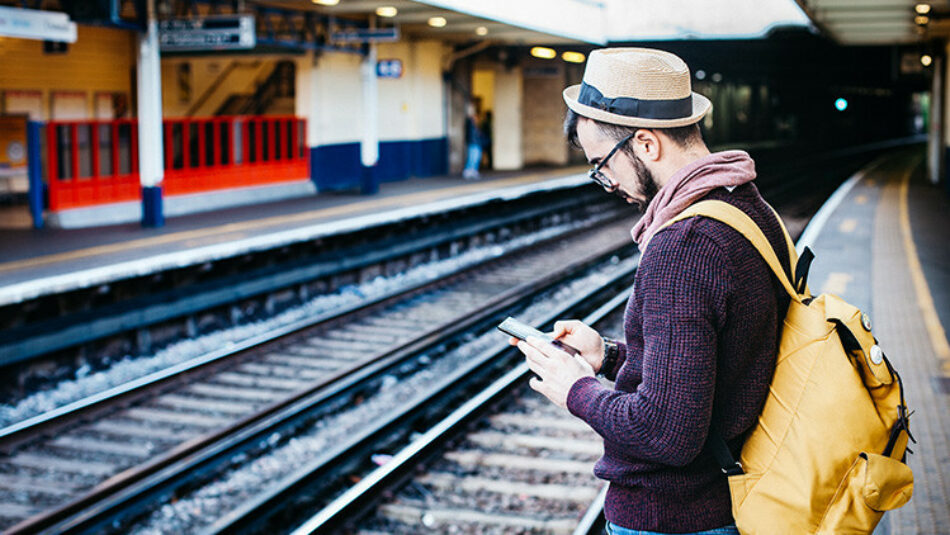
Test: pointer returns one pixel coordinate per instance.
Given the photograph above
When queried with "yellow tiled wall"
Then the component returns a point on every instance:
(102, 60)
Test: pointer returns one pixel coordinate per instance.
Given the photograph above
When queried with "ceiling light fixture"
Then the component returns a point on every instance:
(573, 57)
(926, 60)
(481, 30)
(386, 11)
(326, 2)
(437, 22)
(922, 9)
(543, 52)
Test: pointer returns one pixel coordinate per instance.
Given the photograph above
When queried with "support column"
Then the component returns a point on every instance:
(369, 146)
(151, 153)
(34, 165)
(307, 103)
(507, 120)
(937, 146)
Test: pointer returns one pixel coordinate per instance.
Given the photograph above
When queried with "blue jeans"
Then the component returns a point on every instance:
(474, 157)
(614, 529)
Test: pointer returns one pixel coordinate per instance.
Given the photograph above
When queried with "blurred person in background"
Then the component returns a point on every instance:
(473, 142)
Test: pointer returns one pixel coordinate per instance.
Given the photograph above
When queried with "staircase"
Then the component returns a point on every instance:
(274, 96)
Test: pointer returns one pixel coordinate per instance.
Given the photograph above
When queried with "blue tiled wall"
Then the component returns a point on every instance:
(337, 167)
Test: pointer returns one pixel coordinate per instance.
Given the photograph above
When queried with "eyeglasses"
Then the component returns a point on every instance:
(597, 176)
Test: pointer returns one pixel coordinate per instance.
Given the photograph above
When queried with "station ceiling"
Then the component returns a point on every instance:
(413, 19)
(879, 22)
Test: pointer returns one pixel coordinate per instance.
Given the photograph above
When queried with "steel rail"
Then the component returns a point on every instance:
(162, 475)
(371, 487)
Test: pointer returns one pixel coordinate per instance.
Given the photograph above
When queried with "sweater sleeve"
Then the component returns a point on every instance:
(684, 284)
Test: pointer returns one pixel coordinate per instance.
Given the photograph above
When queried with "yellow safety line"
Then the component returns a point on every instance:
(938, 337)
(364, 207)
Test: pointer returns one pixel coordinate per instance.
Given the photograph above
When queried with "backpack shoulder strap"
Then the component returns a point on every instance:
(743, 224)
(792, 252)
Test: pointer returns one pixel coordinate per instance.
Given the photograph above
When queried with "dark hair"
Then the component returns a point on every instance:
(684, 136)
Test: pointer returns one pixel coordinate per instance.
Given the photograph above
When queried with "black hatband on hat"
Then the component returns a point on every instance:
(635, 107)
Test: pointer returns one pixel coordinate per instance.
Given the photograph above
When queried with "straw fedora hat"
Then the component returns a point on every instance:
(638, 87)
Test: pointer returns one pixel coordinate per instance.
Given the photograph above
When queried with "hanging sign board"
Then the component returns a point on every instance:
(366, 35)
(225, 32)
(35, 24)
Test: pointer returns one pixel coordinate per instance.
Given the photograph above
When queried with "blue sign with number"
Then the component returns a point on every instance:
(389, 68)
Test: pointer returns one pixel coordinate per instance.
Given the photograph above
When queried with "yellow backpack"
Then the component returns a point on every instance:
(826, 456)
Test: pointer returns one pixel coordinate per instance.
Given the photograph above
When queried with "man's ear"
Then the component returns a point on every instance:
(647, 145)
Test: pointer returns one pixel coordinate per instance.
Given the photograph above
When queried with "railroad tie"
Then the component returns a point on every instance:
(450, 482)
(433, 518)
(491, 439)
(534, 421)
(519, 462)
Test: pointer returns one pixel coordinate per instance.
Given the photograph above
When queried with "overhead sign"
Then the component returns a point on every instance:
(224, 32)
(35, 24)
(389, 68)
(367, 35)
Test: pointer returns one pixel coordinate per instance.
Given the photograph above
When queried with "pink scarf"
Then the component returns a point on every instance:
(721, 169)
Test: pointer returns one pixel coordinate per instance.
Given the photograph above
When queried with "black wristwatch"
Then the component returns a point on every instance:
(611, 356)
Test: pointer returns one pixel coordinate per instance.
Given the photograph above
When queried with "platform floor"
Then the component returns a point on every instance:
(52, 260)
(886, 249)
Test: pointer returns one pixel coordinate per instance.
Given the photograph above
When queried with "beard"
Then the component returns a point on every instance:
(646, 186)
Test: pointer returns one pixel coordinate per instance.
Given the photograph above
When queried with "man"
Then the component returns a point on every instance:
(702, 326)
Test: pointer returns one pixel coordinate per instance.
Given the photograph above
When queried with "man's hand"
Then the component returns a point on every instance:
(557, 370)
(583, 338)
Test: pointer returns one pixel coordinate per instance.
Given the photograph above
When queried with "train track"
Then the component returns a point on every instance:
(57, 471)
(506, 461)
(49, 339)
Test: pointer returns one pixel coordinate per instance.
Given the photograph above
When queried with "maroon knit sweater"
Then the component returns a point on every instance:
(702, 331)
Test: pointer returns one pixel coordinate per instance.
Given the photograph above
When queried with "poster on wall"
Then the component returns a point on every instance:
(109, 106)
(13, 154)
(69, 106)
(29, 103)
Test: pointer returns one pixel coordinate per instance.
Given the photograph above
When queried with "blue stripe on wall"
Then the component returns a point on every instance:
(338, 167)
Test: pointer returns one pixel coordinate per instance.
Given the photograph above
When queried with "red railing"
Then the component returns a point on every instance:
(227, 152)
(91, 162)
(96, 162)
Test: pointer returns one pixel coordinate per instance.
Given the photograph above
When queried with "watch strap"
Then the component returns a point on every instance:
(611, 356)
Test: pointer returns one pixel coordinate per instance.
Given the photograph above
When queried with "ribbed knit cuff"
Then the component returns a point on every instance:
(581, 394)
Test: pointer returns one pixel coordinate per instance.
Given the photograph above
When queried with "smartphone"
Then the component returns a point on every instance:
(522, 331)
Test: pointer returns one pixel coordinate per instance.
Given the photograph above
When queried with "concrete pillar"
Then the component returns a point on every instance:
(151, 154)
(935, 134)
(508, 152)
(307, 100)
(937, 151)
(369, 144)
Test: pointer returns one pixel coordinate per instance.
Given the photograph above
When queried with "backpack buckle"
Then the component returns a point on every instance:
(734, 470)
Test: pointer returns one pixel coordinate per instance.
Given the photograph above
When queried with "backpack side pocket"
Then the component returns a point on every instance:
(872, 485)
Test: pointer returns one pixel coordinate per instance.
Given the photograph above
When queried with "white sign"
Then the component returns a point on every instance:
(225, 32)
(35, 24)
(367, 35)
(389, 68)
